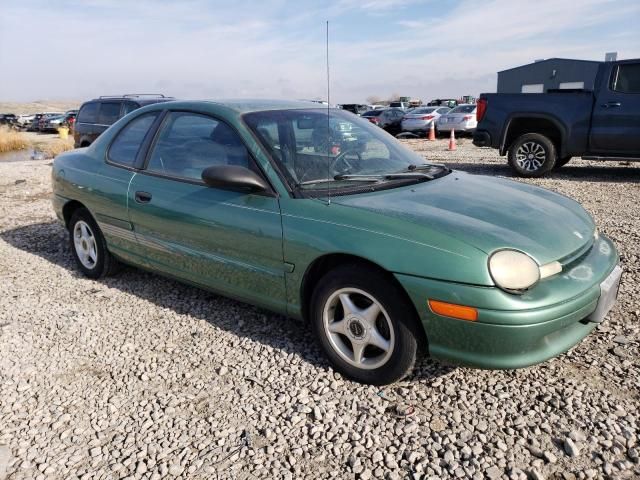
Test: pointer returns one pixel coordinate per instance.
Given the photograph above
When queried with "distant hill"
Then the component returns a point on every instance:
(39, 106)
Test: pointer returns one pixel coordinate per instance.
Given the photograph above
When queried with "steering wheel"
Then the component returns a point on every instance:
(341, 160)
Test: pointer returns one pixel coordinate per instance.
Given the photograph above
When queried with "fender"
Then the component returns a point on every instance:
(545, 116)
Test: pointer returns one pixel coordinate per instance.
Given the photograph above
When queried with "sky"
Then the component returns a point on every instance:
(194, 49)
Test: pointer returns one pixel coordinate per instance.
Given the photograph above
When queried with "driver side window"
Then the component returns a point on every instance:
(189, 142)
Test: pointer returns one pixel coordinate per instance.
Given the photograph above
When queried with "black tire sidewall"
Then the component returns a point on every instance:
(100, 268)
(401, 312)
(544, 142)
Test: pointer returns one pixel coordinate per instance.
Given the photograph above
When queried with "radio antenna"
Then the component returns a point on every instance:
(328, 124)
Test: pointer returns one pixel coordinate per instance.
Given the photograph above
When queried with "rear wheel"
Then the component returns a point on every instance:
(532, 155)
(365, 325)
(89, 247)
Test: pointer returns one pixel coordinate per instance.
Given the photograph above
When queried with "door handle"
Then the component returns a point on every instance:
(143, 197)
(611, 104)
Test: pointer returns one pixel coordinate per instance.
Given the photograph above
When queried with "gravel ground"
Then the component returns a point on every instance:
(137, 376)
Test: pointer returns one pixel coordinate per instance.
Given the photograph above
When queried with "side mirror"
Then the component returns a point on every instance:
(234, 177)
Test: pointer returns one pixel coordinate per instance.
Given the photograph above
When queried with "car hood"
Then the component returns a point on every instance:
(487, 213)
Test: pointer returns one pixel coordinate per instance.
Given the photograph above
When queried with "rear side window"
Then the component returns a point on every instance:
(109, 113)
(129, 107)
(189, 143)
(626, 78)
(126, 145)
(88, 113)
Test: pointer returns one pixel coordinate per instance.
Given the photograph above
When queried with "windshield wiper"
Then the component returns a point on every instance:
(425, 166)
(385, 176)
(357, 178)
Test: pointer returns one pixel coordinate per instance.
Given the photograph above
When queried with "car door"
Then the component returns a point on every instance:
(225, 240)
(109, 193)
(615, 125)
(395, 117)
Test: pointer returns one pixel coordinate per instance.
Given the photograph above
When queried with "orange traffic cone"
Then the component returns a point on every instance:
(452, 140)
(432, 133)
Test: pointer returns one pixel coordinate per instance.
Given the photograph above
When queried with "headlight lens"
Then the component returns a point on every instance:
(513, 271)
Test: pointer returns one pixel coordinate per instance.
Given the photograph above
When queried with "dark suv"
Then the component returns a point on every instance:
(97, 115)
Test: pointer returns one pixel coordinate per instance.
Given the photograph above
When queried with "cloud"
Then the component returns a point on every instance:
(275, 48)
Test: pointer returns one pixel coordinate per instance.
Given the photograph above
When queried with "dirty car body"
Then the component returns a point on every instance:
(381, 252)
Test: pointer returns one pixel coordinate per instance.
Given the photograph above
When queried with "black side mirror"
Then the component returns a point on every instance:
(234, 177)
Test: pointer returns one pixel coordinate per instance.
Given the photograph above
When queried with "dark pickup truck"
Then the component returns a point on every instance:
(542, 131)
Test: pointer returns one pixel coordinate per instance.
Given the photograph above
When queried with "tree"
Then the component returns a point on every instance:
(373, 99)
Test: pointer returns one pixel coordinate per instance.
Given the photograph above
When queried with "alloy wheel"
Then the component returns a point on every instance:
(85, 245)
(358, 328)
(531, 156)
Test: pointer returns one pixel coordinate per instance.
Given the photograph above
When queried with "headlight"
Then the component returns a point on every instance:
(513, 271)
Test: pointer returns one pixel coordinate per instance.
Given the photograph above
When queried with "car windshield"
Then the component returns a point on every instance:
(464, 109)
(336, 152)
(373, 113)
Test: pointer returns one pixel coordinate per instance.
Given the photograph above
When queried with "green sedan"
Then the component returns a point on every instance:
(317, 214)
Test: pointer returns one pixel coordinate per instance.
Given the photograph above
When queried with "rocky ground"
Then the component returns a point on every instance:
(137, 376)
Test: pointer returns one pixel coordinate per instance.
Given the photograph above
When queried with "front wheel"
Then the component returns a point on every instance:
(366, 326)
(532, 155)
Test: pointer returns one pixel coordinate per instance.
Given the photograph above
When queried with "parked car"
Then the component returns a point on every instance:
(35, 123)
(543, 131)
(8, 119)
(443, 102)
(401, 105)
(388, 119)
(356, 108)
(25, 121)
(420, 119)
(461, 119)
(385, 256)
(96, 115)
(45, 118)
(67, 119)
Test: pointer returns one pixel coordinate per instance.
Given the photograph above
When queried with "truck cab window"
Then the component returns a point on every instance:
(626, 78)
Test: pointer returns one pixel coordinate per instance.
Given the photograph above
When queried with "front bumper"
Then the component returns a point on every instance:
(515, 331)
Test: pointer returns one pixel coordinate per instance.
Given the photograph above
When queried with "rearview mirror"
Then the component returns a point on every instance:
(234, 177)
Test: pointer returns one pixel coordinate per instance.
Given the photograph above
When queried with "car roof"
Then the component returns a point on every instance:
(260, 105)
(140, 100)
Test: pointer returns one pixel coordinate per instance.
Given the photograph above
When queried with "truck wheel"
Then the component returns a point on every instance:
(532, 155)
(561, 162)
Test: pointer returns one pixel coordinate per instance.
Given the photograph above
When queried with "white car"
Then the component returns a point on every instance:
(420, 119)
(461, 119)
(25, 120)
(402, 105)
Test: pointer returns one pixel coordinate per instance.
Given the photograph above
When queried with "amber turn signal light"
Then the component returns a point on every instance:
(454, 311)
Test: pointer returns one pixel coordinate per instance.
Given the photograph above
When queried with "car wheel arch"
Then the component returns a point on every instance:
(322, 265)
(69, 208)
(542, 124)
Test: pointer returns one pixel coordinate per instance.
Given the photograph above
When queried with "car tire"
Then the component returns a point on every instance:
(389, 341)
(89, 247)
(532, 155)
(561, 162)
